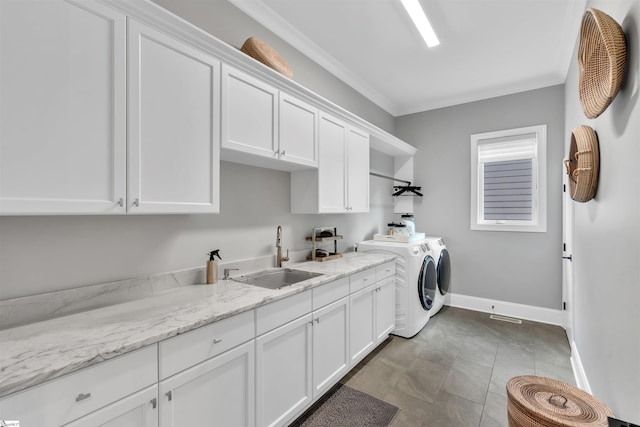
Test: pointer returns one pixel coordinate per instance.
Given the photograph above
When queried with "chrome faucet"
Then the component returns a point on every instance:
(279, 257)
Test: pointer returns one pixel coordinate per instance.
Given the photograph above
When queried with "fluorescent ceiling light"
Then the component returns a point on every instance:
(421, 22)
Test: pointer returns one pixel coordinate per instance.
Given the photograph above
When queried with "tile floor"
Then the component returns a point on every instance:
(454, 372)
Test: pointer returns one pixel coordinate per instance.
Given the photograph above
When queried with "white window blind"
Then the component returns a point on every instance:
(505, 176)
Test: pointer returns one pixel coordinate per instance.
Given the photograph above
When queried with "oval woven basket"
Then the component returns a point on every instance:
(583, 165)
(543, 402)
(262, 52)
(602, 59)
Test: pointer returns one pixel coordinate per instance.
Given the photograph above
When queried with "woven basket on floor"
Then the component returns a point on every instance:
(602, 58)
(544, 402)
(583, 164)
(262, 52)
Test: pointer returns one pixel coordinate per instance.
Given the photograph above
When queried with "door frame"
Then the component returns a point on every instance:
(568, 270)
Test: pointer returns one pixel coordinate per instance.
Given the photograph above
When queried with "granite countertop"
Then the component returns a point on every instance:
(34, 353)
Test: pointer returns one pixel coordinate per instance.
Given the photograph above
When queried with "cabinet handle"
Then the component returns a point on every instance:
(283, 152)
(317, 320)
(83, 396)
(311, 322)
(217, 340)
(154, 403)
(121, 202)
(277, 152)
(169, 395)
(136, 203)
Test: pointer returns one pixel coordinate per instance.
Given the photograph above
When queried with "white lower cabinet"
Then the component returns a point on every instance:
(137, 410)
(108, 386)
(217, 392)
(283, 372)
(385, 308)
(372, 317)
(361, 326)
(330, 345)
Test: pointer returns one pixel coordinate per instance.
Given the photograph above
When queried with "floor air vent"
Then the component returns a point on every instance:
(506, 319)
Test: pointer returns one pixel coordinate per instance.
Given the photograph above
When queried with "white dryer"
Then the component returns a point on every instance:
(416, 285)
(443, 270)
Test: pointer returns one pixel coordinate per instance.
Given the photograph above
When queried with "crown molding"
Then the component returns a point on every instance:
(291, 35)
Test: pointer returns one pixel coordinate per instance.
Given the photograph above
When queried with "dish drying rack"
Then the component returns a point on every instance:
(316, 238)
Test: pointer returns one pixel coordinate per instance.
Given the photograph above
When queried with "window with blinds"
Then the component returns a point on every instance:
(506, 180)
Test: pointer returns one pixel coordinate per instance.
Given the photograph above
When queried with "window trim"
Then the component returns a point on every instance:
(539, 222)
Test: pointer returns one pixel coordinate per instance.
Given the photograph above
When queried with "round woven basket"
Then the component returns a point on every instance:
(583, 164)
(543, 402)
(262, 52)
(602, 59)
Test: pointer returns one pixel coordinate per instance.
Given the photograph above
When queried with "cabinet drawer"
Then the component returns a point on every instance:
(278, 313)
(181, 352)
(362, 279)
(70, 397)
(388, 269)
(330, 292)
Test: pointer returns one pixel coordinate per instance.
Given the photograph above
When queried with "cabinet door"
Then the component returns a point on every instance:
(218, 392)
(137, 410)
(173, 151)
(330, 345)
(62, 108)
(249, 108)
(298, 140)
(385, 308)
(332, 196)
(362, 329)
(283, 368)
(357, 171)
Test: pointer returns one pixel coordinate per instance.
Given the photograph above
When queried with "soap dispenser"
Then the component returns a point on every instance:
(212, 267)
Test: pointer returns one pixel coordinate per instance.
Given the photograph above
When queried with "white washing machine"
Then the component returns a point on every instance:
(416, 285)
(440, 254)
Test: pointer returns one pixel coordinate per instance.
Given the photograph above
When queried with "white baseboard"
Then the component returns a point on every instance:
(520, 311)
(578, 370)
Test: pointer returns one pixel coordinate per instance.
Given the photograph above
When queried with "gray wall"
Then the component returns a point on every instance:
(42, 254)
(522, 268)
(231, 25)
(607, 235)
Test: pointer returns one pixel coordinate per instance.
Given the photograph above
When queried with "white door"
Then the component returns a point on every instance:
(567, 259)
(332, 196)
(330, 345)
(357, 171)
(385, 308)
(218, 392)
(249, 110)
(283, 372)
(362, 335)
(138, 410)
(298, 142)
(173, 151)
(62, 108)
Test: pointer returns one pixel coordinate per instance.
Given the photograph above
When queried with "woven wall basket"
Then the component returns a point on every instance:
(544, 402)
(262, 52)
(602, 59)
(583, 164)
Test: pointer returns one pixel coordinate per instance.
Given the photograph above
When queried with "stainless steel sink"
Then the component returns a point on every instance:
(276, 279)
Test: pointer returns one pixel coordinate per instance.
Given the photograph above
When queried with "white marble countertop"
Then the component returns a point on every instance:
(34, 353)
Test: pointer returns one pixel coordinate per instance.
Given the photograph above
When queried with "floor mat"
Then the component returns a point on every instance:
(345, 406)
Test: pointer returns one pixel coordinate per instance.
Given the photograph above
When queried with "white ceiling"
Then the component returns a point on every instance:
(488, 47)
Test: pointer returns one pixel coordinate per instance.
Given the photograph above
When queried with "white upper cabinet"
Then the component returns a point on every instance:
(62, 112)
(357, 170)
(264, 127)
(174, 146)
(249, 108)
(298, 141)
(341, 182)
